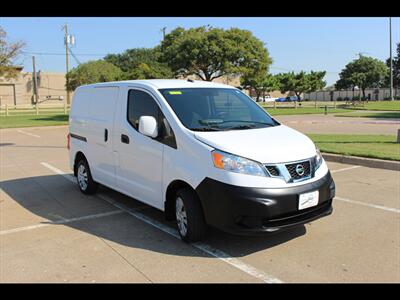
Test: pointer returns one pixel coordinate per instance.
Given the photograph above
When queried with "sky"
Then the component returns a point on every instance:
(295, 44)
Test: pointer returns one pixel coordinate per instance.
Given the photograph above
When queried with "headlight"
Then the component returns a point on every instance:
(318, 159)
(233, 163)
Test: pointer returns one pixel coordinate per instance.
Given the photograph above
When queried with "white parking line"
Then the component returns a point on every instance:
(64, 221)
(346, 169)
(28, 133)
(250, 270)
(395, 210)
(59, 172)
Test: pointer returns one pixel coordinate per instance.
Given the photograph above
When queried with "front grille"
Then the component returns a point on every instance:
(273, 170)
(299, 170)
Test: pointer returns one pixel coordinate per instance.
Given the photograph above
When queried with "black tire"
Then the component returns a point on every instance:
(196, 225)
(92, 186)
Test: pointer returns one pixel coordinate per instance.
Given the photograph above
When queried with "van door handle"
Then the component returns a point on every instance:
(124, 139)
(105, 135)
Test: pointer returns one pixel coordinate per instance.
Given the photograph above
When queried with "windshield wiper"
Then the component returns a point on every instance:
(243, 121)
(204, 129)
(243, 127)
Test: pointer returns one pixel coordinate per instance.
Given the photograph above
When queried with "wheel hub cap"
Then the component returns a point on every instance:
(82, 177)
(181, 216)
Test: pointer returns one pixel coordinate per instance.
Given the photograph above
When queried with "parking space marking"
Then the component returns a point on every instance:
(252, 271)
(64, 221)
(28, 133)
(395, 210)
(59, 172)
(346, 169)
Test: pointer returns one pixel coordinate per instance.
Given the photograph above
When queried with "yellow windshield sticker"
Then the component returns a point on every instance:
(175, 93)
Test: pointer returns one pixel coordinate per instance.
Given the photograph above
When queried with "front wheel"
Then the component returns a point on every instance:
(84, 178)
(189, 216)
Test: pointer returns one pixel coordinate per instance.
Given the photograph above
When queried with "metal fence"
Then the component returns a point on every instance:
(39, 109)
(310, 104)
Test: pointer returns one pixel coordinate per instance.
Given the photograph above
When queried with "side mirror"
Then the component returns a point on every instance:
(148, 126)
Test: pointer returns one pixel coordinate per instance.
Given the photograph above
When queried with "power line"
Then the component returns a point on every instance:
(63, 54)
(73, 55)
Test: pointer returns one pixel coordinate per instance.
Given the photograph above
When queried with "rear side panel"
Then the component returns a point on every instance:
(103, 102)
(78, 122)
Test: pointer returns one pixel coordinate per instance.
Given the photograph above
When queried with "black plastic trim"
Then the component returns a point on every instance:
(78, 137)
(244, 210)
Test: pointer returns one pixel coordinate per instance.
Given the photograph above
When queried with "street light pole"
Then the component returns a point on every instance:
(35, 85)
(391, 59)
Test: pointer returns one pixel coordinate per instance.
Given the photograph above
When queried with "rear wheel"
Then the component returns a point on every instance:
(84, 178)
(189, 216)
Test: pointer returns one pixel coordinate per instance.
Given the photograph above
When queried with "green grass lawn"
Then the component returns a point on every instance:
(379, 105)
(29, 121)
(375, 146)
(392, 114)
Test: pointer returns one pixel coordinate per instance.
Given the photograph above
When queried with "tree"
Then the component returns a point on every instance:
(8, 53)
(364, 72)
(260, 83)
(396, 69)
(140, 63)
(301, 82)
(210, 52)
(92, 72)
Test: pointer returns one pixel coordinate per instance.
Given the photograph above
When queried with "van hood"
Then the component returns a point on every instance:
(266, 145)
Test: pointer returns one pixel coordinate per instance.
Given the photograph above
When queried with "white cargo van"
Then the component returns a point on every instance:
(204, 153)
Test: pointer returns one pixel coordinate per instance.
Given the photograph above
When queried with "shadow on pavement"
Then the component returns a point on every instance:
(54, 198)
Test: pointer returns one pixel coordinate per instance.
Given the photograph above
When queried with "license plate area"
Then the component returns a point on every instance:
(307, 200)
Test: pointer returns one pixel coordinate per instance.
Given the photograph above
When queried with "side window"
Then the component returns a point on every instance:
(142, 104)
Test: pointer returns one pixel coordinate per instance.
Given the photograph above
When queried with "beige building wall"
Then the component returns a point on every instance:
(51, 88)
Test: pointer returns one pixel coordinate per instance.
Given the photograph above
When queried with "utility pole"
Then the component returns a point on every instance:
(35, 87)
(163, 31)
(66, 42)
(391, 59)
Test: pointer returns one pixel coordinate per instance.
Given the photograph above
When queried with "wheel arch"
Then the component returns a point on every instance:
(78, 156)
(172, 188)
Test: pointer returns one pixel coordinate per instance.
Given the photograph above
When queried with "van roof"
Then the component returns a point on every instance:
(163, 83)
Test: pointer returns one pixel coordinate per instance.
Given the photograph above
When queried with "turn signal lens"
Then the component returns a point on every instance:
(218, 157)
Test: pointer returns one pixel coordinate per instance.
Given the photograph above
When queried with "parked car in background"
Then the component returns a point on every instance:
(267, 98)
(288, 99)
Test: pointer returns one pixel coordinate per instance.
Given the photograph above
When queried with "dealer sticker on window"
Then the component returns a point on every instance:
(308, 200)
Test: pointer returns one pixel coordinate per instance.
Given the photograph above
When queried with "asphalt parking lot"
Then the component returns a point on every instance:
(50, 232)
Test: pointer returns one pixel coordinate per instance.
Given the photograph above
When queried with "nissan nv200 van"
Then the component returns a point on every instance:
(202, 152)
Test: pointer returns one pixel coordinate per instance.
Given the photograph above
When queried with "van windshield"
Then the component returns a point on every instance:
(215, 109)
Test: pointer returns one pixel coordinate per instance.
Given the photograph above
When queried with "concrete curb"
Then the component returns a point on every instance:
(363, 161)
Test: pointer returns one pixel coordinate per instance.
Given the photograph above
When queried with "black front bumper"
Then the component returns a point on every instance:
(243, 210)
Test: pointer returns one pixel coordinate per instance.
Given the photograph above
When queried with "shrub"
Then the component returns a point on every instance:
(339, 99)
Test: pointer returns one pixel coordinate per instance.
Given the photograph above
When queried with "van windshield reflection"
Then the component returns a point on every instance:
(216, 109)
